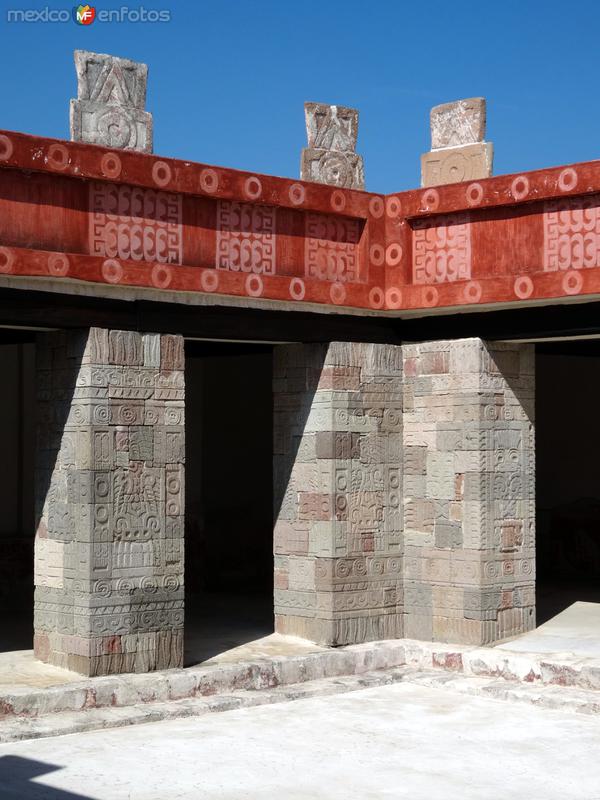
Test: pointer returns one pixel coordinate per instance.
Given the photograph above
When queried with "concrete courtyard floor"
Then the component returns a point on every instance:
(399, 741)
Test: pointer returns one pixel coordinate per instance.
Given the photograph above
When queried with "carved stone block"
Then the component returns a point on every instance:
(109, 109)
(331, 127)
(456, 164)
(458, 123)
(330, 156)
(345, 170)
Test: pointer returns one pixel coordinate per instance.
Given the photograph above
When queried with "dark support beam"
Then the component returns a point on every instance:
(573, 319)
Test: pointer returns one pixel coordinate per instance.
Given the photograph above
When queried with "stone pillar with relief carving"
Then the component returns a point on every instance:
(338, 491)
(469, 490)
(109, 594)
(458, 150)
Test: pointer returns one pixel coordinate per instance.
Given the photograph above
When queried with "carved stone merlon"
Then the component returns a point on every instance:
(330, 157)
(458, 150)
(109, 109)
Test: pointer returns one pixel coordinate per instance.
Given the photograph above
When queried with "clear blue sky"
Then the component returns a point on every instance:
(228, 78)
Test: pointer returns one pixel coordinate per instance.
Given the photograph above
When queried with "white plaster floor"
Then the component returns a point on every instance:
(400, 741)
(575, 630)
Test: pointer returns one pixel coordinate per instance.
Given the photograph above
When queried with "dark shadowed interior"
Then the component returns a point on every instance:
(567, 475)
(229, 527)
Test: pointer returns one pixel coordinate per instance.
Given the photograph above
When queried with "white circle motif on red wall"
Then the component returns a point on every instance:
(161, 276)
(393, 297)
(58, 156)
(7, 258)
(376, 207)
(297, 194)
(519, 188)
(254, 285)
(6, 148)
(523, 287)
(474, 194)
(252, 188)
(376, 297)
(377, 255)
(337, 292)
(112, 271)
(297, 289)
(209, 280)
(572, 282)
(58, 264)
(338, 200)
(110, 164)
(161, 173)
(567, 180)
(209, 181)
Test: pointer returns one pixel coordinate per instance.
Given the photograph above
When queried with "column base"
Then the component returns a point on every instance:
(110, 655)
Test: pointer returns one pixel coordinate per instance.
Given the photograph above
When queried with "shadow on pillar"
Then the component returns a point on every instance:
(338, 485)
(17, 777)
(55, 526)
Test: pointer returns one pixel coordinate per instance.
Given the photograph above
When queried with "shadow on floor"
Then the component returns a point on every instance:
(16, 781)
(553, 597)
(217, 621)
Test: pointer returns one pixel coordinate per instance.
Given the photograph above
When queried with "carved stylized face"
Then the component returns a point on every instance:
(459, 123)
(331, 127)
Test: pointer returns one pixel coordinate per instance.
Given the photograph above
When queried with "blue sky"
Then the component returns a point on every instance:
(228, 78)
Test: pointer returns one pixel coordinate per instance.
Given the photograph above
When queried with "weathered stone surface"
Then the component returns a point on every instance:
(110, 488)
(338, 492)
(345, 170)
(330, 156)
(458, 150)
(458, 123)
(456, 164)
(469, 538)
(109, 109)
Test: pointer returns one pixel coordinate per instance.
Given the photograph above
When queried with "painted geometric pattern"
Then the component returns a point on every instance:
(130, 222)
(572, 233)
(331, 250)
(246, 237)
(442, 249)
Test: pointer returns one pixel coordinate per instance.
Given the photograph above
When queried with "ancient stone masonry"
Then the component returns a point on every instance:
(331, 153)
(469, 491)
(109, 109)
(338, 490)
(458, 150)
(109, 490)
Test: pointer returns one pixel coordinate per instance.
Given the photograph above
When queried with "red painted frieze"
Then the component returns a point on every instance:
(76, 211)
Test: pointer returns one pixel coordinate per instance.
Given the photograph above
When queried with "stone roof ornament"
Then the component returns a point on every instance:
(458, 150)
(331, 156)
(109, 109)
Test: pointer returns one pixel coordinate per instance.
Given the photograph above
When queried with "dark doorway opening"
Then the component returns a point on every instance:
(567, 475)
(17, 524)
(229, 497)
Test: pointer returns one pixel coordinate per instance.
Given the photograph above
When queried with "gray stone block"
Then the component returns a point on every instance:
(109, 109)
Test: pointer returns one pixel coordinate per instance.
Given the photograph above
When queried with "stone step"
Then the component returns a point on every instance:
(137, 697)
(61, 723)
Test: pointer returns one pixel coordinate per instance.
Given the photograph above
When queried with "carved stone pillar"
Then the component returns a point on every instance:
(109, 109)
(458, 150)
(469, 490)
(338, 489)
(109, 591)
(331, 153)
